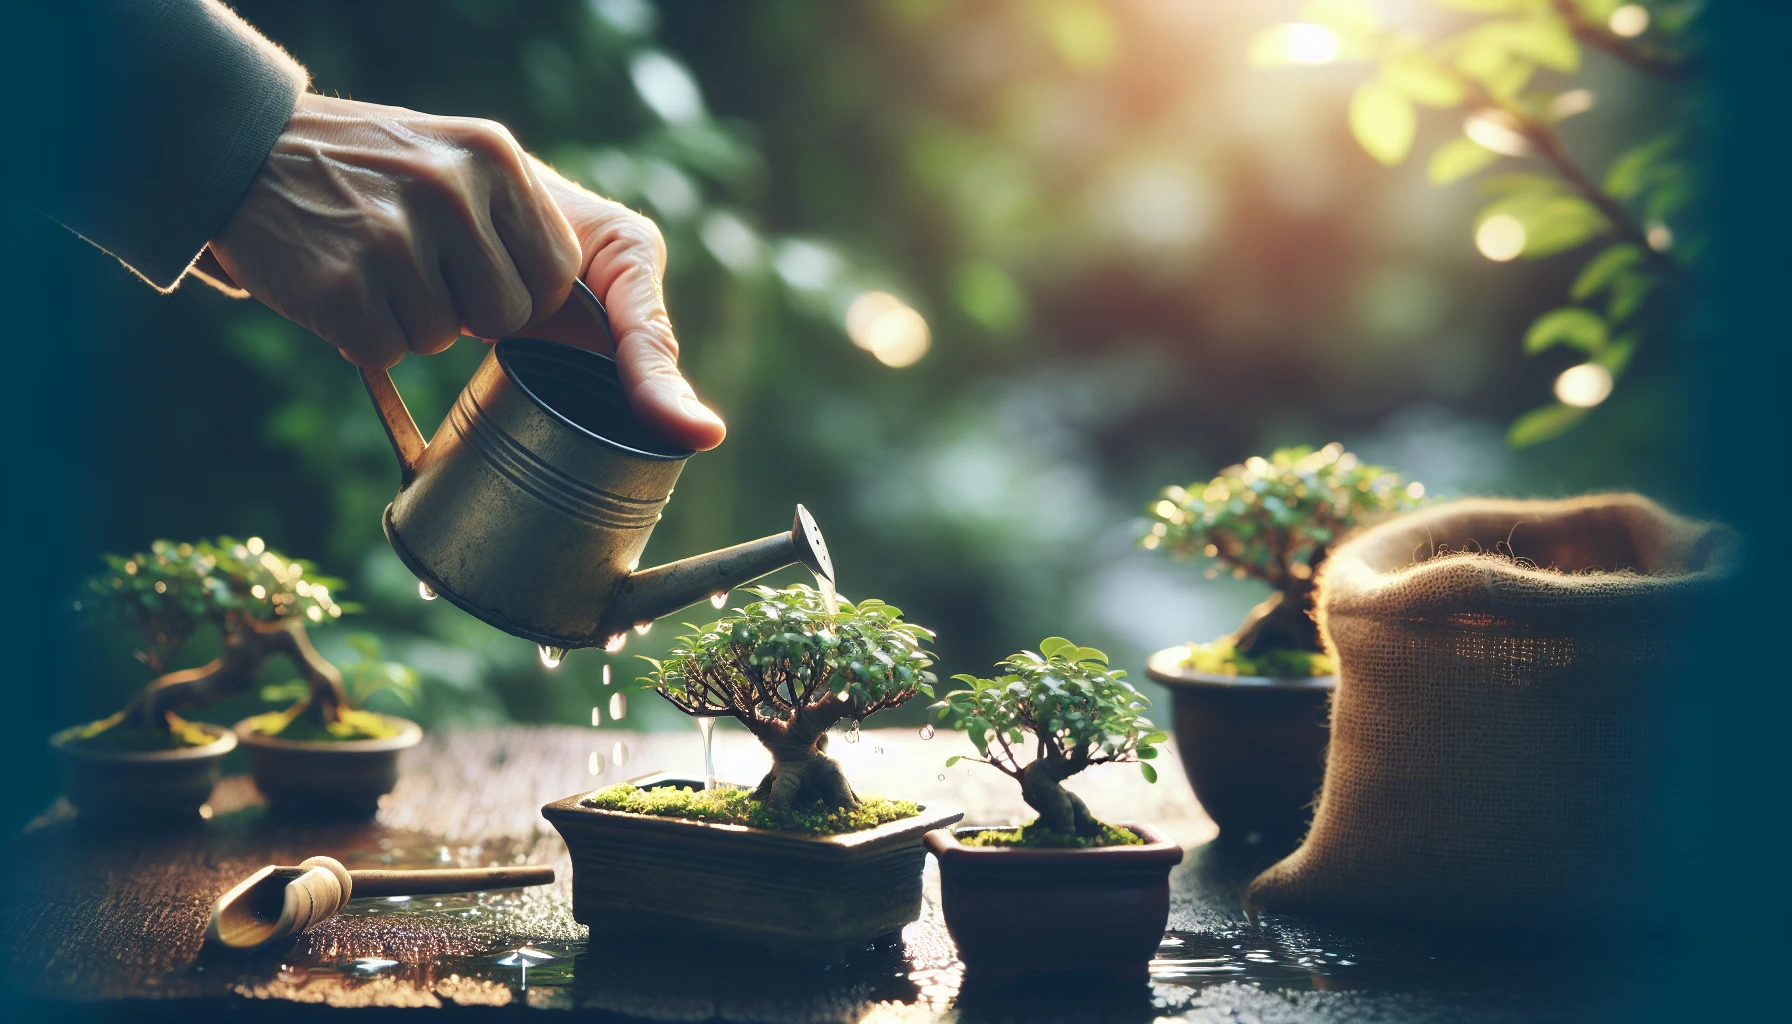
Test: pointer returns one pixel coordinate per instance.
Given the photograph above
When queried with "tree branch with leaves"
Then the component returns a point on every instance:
(1485, 69)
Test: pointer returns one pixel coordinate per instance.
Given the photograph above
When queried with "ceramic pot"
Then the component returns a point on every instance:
(343, 778)
(1253, 746)
(145, 785)
(1018, 911)
(639, 879)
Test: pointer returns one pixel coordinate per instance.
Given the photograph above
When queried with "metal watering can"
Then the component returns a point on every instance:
(530, 506)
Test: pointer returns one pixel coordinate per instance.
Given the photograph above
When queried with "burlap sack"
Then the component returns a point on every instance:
(1498, 727)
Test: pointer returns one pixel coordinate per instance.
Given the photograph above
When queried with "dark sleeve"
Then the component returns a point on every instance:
(139, 124)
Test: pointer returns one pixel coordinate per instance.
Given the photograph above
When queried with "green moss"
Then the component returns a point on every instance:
(1221, 658)
(111, 735)
(737, 807)
(352, 725)
(1032, 836)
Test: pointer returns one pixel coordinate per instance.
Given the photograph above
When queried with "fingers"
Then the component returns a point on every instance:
(525, 224)
(625, 273)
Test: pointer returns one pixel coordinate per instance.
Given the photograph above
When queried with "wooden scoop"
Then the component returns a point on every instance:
(278, 901)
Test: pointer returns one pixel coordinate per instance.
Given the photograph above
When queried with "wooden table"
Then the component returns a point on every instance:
(111, 923)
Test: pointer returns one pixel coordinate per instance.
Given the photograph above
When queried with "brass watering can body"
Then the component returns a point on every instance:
(530, 506)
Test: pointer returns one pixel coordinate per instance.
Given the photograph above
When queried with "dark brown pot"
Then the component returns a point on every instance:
(1253, 746)
(141, 786)
(1021, 910)
(638, 878)
(343, 778)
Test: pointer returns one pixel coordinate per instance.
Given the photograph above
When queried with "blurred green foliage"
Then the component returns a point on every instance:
(1135, 257)
(1484, 66)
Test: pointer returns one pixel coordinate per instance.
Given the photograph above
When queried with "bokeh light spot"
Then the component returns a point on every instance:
(1500, 237)
(1629, 21)
(1584, 386)
(888, 328)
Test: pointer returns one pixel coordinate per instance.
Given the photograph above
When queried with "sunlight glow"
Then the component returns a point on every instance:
(888, 328)
(1629, 21)
(1498, 131)
(1500, 237)
(1659, 237)
(1297, 42)
(1584, 386)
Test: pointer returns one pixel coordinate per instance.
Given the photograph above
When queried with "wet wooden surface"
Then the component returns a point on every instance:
(110, 923)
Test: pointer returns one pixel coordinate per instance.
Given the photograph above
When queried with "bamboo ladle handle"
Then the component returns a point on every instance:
(279, 901)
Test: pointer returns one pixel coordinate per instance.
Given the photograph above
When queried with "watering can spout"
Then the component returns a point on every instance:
(650, 593)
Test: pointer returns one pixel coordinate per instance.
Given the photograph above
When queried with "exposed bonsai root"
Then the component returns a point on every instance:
(1280, 623)
(1060, 810)
(805, 781)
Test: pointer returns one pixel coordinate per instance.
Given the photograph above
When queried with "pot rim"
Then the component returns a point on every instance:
(929, 818)
(224, 743)
(410, 734)
(1158, 846)
(1163, 667)
(607, 366)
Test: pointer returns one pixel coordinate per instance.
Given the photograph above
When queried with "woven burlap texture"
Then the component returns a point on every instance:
(1497, 731)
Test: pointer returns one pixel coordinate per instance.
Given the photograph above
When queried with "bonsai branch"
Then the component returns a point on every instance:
(234, 672)
(1645, 57)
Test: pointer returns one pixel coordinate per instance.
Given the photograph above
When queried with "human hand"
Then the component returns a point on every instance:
(388, 231)
(623, 260)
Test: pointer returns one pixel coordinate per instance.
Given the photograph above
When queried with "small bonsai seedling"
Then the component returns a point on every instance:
(789, 667)
(1275, 520)
(259, 600)
(1079, 713)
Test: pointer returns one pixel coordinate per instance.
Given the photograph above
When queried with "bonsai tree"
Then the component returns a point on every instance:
(788, 667)
(1078, 712)
(259, 600)
(1275, 520)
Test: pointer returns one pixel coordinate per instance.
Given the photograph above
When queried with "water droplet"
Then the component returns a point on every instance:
(641, 628)
(606, 675)
(615, 643)
(942, 777)
(718, 599)
(424, 591)
(595, 764)
(597, 717)
(877, 750)
(707, 726)
(618, 706)
(551, 656)
(927, 732)
(619, 753)
(852, 733)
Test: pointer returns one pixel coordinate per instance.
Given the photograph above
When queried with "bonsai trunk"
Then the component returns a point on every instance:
(1283, 622)
(803, 775)
(1060, 810)
(235, 670)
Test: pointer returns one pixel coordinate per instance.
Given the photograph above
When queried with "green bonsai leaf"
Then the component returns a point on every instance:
(1149, 772)
(1383, 121)
(1543, 423)
(1457, 159)
(1575, 327)
(1602, 270)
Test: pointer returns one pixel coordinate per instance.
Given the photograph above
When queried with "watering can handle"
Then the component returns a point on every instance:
(401, 429)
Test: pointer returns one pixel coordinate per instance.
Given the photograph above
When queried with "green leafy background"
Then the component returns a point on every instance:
(1142, 257)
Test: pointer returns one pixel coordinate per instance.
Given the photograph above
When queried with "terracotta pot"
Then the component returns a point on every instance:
(1013, 911)
(343, 778)
(145, 785)
(638, 878)
(1253, 746)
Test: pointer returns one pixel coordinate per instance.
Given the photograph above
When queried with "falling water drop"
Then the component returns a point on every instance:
(641, 628)
(707, 726)
(829, 599)
(424, 591)
(595, 764)
(551, 656)
(927, 732)
(618, 706)
(606, 675)
(942, 777)
(597, 717)
(615, 643)
(718, 599)
(852, 732)
(877, 750)
(619, 753)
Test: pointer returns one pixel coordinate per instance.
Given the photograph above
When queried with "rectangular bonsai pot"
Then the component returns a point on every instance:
(637, 878)
(1018, 911)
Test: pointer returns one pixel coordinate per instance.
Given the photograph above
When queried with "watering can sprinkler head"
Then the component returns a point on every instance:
(531, 505)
